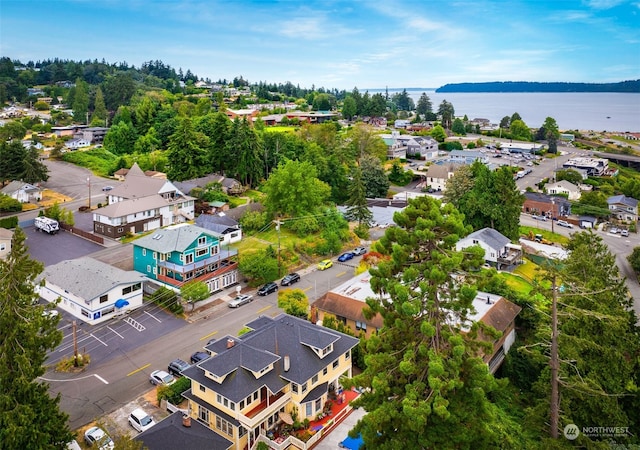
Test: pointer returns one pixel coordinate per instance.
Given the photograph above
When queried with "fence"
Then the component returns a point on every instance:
(82, 233)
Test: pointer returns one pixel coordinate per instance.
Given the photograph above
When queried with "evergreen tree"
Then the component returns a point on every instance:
(425, 386)
(187, 152)
(424, 105)
(80, 102)
(447, 113)
(358, 209)
(99, 108)
(373, 177)
(247, 162)
(29, 416)
(551, 134)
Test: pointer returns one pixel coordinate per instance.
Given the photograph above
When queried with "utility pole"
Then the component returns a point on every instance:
(75, 346)
(89, 183)
(278, 223)
(554, 362)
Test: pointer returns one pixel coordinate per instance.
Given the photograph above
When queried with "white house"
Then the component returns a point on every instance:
(226, 228)
(498, 249)
(142, 203)
(437, 175)
(5, 242)
(77, 143)
(91, 290)
(623, 207)
(23, 192)
(564, 187)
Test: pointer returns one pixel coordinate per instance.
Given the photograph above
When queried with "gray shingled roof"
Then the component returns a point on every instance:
(491, 237)
(623, 200)
(137, 185)
(170, 434)
(172, 239)
(87, 277)
(270, 341)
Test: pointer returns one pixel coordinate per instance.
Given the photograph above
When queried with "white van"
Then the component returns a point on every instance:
(140, 420)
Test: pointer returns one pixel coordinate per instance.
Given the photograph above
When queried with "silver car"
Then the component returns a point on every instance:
(240, 300)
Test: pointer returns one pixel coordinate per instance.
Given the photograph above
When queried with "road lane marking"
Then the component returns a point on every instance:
(121, 336)
(103, 343)
(340, 274)
(152, 316)
(138, 370)
(100, 378)
(208, 336)
(306, 289)
(264, 309)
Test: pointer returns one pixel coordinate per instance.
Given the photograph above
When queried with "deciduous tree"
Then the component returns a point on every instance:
(374, 178)
(294, 302)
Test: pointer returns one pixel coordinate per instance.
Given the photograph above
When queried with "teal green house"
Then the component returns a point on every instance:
(184, 252)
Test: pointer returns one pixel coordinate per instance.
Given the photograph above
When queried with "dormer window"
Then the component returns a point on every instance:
(202, 240)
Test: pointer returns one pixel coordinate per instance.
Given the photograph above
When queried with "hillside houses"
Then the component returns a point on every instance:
(142, 203)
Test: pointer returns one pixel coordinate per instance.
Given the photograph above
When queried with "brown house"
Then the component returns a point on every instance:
(548, 205)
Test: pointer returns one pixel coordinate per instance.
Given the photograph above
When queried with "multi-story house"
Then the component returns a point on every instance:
(284, 366)
(181, 253)
(6, 237)
(623, 207)
(564, 187)
(142, 203)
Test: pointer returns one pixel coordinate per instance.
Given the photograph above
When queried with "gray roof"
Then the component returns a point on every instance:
(544, 198)
(622, 200)
(216, 222)
(87, 277)
(170, 434)
(132, 206)
(172, 239)
(16, 186)
(491, 237)
(268, 343)
(137, 185)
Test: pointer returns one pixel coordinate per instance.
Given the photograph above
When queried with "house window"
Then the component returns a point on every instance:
(127, 290)
(104, 298)
(201, 252)
(255, 395)
(84, 312)
(304, 388)
(120, 229)
(308, 409)
(241, 404)
(163, 256)
(314, 380)
(347, 355)
(224, 426)
(335, 364)
(318, 404)
(136, 287)
(148, 268)
(361, 326)
(203, 414)
(214, 249)
(144, 252)
(155, 255)
(202, 240)
(107, 311)
(242, 431)
(188, 258)
(325, 371)
(294, 388)
(248, 400)
(202, 388)
(219, 398)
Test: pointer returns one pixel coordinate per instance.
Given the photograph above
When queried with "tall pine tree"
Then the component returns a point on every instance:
(29, 416)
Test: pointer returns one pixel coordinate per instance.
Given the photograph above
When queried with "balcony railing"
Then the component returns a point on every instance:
(266, 408)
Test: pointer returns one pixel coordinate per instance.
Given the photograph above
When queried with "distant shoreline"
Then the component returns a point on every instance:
(499, 87)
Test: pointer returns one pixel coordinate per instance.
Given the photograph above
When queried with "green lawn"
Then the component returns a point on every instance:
(547, 234)
(516, 282)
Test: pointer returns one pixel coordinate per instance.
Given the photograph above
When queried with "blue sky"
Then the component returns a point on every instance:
(339, 44)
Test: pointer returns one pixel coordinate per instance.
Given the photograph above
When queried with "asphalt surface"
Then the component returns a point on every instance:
(50, 249)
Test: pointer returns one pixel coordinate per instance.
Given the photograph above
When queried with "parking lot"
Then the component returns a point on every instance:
(51, 249)
(115, 337)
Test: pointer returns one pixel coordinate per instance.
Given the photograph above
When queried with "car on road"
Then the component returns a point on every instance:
(359, 251)
(198, 357)
(345, 257)
(537, 217)
(107, 188)
(240, 300)
(140, 420)
(325, 264)
(290, 279)
(564, 223)
(96, 437)
(161, 378)
(268, 289)
(176, 367)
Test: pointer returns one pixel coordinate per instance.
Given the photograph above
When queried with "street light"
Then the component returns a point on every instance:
(553, 206)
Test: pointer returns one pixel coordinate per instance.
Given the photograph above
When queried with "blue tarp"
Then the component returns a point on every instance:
(352, 443)
(121, 303)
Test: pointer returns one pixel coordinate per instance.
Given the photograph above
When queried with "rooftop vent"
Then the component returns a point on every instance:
(287, 363)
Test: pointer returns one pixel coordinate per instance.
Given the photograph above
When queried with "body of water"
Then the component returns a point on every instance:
(572, 111)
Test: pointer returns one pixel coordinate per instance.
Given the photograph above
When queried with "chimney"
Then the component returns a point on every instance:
(186, 421)
(489, 302)
(287, 363)
(230, 343)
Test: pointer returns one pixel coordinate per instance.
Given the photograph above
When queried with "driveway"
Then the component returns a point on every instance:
(51, 249)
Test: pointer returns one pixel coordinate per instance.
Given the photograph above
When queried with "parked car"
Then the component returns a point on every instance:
(95, 436)
(290, 279)
(240, 300)
(140, 420)
(198, 357)
(268, 289)
(537, 217)
(345, 257)
(564, 223)
(160, 377)
(325, 264)
(176, 367)
(73, 445)
(624, 233)
(107, 188)
(614, 230)
(359, 251)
